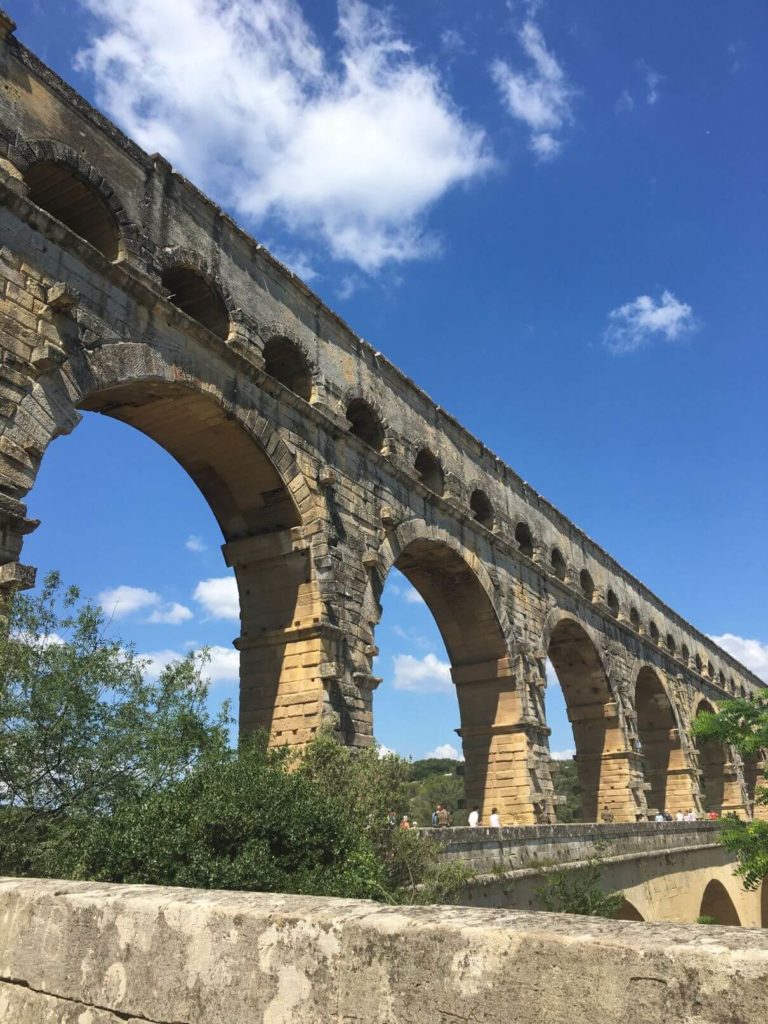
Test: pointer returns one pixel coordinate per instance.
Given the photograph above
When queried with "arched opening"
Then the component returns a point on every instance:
(653, 631)
(685, 654)
(628, 912)
(67, 196)
(482, 508)
(587, 584)
(480, 675)
(613, 603)
(430, 471)
(712, 761)
(717, 905)
(524, 539)
(634, 617)
(592, 712)
(670, 642)
(557, 562)
(286, 363)
(699, 663)
(365, 424)
(257, 516)
(194, 294)
(663, 762)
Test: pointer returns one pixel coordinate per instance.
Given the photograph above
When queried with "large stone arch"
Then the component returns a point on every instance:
(660, 735)
(603, 753)
(719, 783)
(252, 482)
(460, 594)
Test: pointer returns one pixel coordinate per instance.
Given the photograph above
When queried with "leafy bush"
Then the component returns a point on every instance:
(579, 892)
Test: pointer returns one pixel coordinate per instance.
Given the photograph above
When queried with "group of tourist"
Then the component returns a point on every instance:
(443, 818)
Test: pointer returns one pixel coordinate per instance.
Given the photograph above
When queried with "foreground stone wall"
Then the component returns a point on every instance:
(82, 953)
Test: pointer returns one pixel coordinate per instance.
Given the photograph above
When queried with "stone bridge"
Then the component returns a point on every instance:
(127, 292)
(667, 871)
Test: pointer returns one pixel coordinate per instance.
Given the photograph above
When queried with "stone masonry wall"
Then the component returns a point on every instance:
(102, 954)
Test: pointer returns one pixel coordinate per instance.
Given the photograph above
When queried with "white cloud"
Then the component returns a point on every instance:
(223, 667)
(195, 543)
(219, 597)
(751, 653)
(625, 103)
(171, 614)
(383, 751)
(652, 82)
(563, 755)
(540, 97)
(352, 147)
(445, 750)
(422, 675)
(119, 602)
(634, 323)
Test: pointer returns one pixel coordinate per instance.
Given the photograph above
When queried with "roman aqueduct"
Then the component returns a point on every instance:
(128, 292)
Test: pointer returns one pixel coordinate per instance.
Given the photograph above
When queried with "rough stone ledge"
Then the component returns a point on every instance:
(78, 951)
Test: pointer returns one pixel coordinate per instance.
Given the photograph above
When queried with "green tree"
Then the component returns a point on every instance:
(742, 723)
(568, 791)
(82, 729)
(107, 775)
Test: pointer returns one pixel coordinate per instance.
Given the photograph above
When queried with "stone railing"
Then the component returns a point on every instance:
(106, 954)
(531, 846)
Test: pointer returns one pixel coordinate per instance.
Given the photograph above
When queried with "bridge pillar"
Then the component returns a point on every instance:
(670, 778)
(610, 772)
(498, 741)
(288, 648)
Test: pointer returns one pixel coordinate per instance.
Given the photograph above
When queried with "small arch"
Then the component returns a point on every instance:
(721, 678)
(717, 904)
(671, 645)
(285, 361)
(743, 692)
(524, 539)
(710, 670)
(587, 584)
(481, 508)
(430, 471)
(365, 423)
(699, 664)
(685, 654)
(196, 296)
(653, 631)
(557, 562)
(68, 196)
(634, 617)
(613, 603)
(628, 912)
(732, 684)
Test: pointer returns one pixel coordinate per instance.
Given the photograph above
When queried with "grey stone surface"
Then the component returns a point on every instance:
(175, 956)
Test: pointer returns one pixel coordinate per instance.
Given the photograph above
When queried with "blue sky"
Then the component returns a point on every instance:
(551, 215)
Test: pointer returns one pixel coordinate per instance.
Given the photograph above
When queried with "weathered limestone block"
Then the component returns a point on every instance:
(176, 955)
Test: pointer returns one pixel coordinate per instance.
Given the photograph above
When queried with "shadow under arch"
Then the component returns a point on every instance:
(660, 744)
(628, 912)
(460, 595)
(601, 754)
(232, 454)
(717, 903)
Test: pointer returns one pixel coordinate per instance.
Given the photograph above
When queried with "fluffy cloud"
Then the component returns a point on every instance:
(194, 543)
(652, 82)
(223, 666)
(563, 755)
(634, 323)
(422, 675)
(445, 750)
(219, 597)
(540, 97)
(352, 146)
(751, 653)
(119, 602)
(171, 614)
